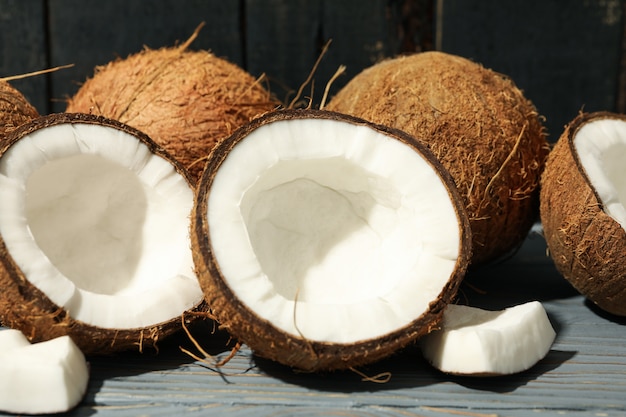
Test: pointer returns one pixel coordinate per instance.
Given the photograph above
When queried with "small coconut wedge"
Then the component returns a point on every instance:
(323, 241)
(42, 378)
(94, 234)
(15, 110)
(477, 122)
(583, 207)
(478, 342)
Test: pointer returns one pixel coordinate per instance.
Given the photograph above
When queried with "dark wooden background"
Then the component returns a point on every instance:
(566, 56)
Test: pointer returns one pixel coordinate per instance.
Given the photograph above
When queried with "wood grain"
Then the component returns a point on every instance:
(566, 58)
(282, 42)
(23, 48)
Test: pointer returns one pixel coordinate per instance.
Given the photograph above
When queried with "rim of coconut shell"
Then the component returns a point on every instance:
(25, 307)
(265, 339)
(574, 221)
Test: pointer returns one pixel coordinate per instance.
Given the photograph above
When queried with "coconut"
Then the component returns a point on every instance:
(477, 342)
(42, 378)
(478, 124)
(94, 234)
(15, 110)
(583, 197)
(184, 100)
(323, 241)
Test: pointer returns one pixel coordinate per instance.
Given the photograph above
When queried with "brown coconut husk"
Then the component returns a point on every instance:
(184, 100)
(262, 336)
(28, 309)
(479, 125)
(586, 244)
(15, 110)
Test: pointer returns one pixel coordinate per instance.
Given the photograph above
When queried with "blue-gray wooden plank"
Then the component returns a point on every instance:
(88, 33)
(23, 48)
(582, 375)
(565, 56)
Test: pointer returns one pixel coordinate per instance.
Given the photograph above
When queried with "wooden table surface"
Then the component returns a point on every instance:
(584, 374)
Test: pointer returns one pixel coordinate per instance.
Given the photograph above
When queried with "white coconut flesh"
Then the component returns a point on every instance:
(42, 378)
(332, 231)
(483, 342)
(99, 224)
(601, 149)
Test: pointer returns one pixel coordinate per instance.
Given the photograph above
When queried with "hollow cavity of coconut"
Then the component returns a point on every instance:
(94, 235)
(325, 242)
(15, 110)
(184, 100)
(478, 124)
(583, 198)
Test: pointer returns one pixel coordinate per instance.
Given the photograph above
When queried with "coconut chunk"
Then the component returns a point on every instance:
(325, 229)
(473, 341)
(95, 218)
(42, 378)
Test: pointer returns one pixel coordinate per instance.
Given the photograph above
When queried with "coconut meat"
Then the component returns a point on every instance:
(42, 378)
(99, 224)
(483, 342)
(332, 231)
(601, 149)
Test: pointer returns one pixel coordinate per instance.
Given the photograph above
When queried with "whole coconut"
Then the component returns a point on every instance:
(479, 125)
(184, 100)
(15, 110)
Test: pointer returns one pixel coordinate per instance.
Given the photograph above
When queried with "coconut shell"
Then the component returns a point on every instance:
(586, 244)
(263, 337)
(28, 309)
(15, 110)
(186, 101)
(478, 124)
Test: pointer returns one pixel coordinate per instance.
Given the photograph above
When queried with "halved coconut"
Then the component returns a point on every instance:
(478, 342)
(324, 242)
(94, 234)
(583, 198)
(15, 110)
(481, 127)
